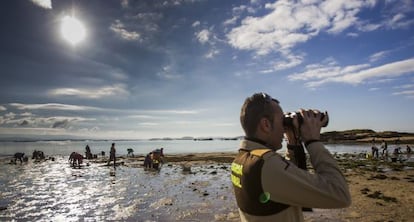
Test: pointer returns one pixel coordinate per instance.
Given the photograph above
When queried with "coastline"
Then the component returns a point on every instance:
(380, 190)
(197, 187)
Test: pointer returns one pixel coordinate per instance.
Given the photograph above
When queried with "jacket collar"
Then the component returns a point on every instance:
(253, 143)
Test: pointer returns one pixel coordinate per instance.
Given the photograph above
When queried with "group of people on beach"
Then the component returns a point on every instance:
(153, 159)
(76, 158)
(37, 155)
(384, 153)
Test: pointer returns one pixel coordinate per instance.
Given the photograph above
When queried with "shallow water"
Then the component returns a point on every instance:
(53, 191)
(142, 147)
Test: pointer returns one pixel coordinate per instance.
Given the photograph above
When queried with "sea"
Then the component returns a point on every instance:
(142, 147)
(53, 190)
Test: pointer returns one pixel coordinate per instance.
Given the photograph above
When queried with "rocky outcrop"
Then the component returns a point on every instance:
(366, 135)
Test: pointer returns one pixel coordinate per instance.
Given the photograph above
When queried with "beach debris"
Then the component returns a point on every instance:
(378, 176)
(365, 190)
(381, 196)
(186, 168)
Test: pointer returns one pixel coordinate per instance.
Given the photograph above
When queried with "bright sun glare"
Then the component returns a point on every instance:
(72, 30)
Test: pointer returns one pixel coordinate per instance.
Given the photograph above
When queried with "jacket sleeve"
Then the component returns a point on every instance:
(286, 183)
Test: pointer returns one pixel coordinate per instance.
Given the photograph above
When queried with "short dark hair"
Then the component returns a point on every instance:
(254, 109)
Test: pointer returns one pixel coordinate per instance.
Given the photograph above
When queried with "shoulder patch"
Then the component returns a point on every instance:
(260, 152)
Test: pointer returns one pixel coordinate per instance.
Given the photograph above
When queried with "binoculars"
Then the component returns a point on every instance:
(288, 119)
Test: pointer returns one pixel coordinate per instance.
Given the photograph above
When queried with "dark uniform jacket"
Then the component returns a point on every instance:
(270, 188)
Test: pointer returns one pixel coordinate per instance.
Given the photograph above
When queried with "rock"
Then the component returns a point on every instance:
(186, 168)
(379, 176)
(380, 195)
(365, 191)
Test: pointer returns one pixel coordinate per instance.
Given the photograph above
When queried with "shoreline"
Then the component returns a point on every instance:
(380, 190)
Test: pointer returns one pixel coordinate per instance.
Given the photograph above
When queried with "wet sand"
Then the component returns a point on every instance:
(381, 190)
(189, 187)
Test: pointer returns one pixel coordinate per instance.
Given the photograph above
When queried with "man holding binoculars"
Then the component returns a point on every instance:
(269, 187)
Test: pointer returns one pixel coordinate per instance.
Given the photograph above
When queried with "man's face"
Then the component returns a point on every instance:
(276, 134)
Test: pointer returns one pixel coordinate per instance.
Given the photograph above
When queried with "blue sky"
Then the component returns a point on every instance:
(161, 68)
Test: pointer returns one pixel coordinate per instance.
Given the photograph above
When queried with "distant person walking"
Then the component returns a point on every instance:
(112, 153)
(88, 153)
(374, 150)
(384, 147)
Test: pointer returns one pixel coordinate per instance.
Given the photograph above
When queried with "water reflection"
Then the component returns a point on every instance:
(53, 191)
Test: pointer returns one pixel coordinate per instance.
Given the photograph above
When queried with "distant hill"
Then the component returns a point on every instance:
(366, 136)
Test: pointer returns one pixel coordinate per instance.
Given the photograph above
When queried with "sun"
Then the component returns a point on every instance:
(72, 30)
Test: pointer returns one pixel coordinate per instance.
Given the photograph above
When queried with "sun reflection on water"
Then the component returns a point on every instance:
(53, 191)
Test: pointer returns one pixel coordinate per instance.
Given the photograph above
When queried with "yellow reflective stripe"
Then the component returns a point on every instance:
(259, 152)
(237, 168)
(236, 181)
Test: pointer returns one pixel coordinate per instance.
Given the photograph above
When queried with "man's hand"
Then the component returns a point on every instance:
(313, 120)
(292, 132)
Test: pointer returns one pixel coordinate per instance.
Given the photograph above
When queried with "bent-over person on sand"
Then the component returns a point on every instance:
(269, 187)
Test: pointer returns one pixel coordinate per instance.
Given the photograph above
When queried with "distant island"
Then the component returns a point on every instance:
(338, 137)
(367, 136)
(346, 136)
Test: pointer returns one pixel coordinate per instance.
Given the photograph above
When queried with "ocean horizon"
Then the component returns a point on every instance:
(142, 147)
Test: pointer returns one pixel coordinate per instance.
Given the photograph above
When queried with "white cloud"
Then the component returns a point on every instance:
(290, 23)
(2, 108)
(405, 90)
(26, 114)
(196, 23)
(50, 106)
(52, 122)
(98, 93)
(408, 93)
(368, 27)
(231, 21)
(47, 4)
(10, 115)
(377, 56)
(119, 28)
(398, 21)
(203, 36)
(124, 3)
(289, 62)
(352, 34)
(319, 74)
(168, 72)
(405, 86)
(242, 8)
(212, 53)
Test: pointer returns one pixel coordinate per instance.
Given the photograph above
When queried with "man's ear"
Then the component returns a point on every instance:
(265, 125)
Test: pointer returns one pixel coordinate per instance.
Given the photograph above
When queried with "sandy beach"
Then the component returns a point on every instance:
(189, 187)
(381, 191)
